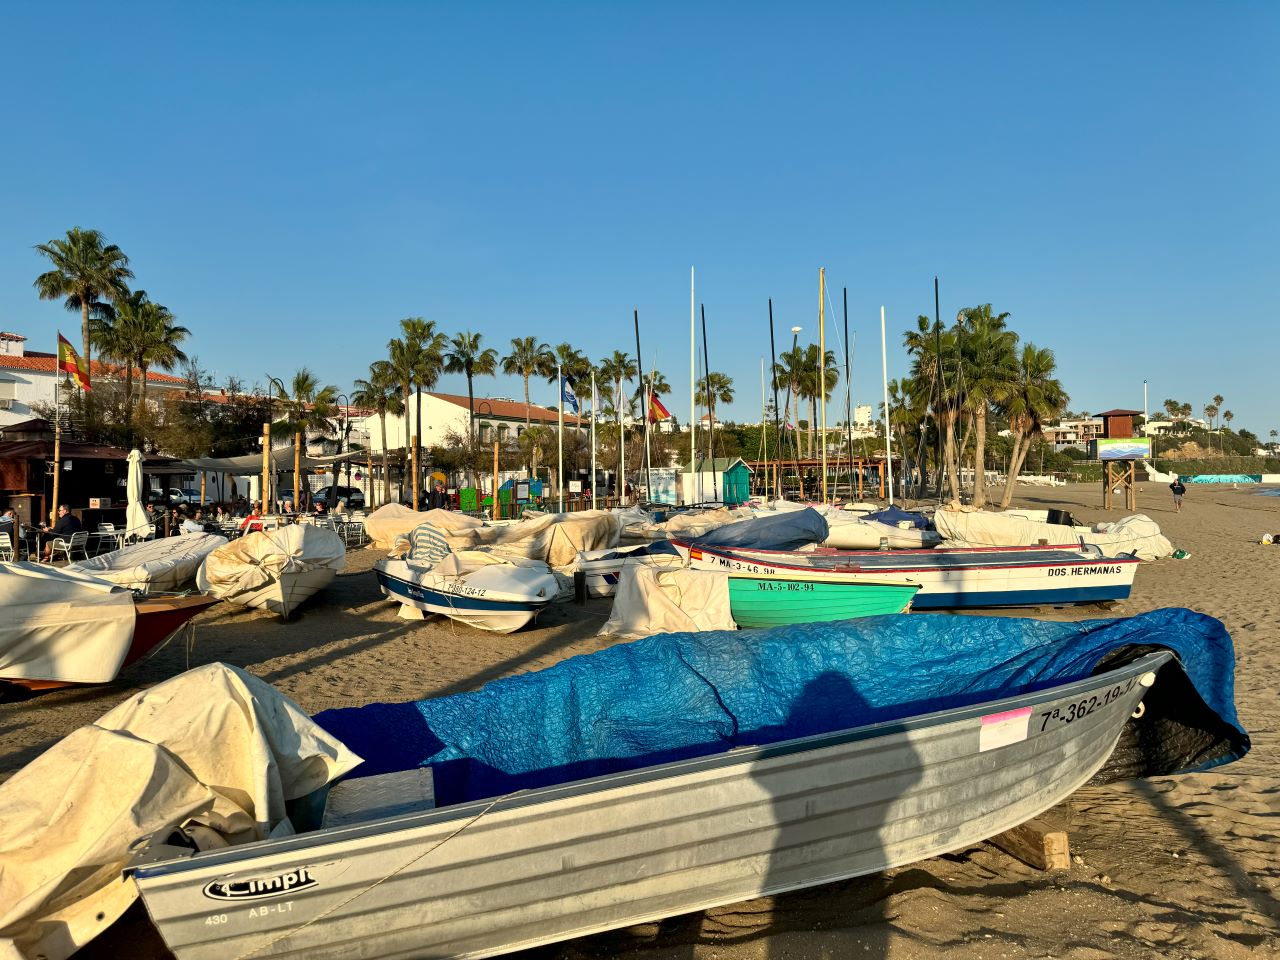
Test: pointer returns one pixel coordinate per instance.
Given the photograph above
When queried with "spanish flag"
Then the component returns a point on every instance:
(71, 362)
(656, 410)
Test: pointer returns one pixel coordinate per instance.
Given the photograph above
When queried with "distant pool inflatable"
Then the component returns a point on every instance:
(1224, 478)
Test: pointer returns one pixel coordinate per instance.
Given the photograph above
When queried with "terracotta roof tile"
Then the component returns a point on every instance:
(507, 409)
(48, 363)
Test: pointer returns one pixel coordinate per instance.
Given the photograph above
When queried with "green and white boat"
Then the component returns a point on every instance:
(778, 601)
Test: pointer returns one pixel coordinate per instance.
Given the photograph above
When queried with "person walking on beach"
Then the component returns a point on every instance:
(1178, 490)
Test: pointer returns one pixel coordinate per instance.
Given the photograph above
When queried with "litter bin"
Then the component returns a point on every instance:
(1060, 517)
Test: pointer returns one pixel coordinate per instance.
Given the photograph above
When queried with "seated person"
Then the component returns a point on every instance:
(64, 528)
(9, 525)
(438, 499)
(340, 507)
(253, 521)
(320, 508)
(288, 507)
(221, 515)
(193, 524)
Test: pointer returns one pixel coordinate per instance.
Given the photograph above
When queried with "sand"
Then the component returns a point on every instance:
(1182, 867)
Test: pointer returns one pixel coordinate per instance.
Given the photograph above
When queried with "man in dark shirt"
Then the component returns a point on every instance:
(1178, 491)
(64, 528)
(438, 499)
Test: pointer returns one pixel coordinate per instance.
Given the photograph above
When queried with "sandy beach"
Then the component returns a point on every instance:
(1182, 867)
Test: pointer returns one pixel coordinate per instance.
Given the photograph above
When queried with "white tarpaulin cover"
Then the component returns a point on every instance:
(258, 559)
(168, 564)
(553, 538)
(62, 625)
(689, 525)
(652, 600)
(392, 521)
(215, 749)
(1139, 535)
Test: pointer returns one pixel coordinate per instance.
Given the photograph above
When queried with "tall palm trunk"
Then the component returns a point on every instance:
(980, 455)
(951, 454)
(142, 405)
(1021, 444)
(813, 423)
(84, 330)
(417, 445)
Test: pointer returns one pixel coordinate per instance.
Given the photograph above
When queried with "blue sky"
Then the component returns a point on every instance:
(292, 179)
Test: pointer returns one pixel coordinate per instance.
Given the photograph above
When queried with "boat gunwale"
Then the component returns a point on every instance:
(853, 568)
(743, 755)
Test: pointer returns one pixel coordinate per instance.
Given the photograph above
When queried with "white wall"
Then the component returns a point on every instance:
(29, 386)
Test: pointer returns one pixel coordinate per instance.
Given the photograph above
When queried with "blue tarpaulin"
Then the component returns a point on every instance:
(781, 531)
(893, 516)
(682, 695)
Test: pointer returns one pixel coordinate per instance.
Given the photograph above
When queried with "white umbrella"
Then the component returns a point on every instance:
(136, 520)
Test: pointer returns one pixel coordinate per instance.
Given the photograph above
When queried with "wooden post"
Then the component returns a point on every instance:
(297, 468)
(369, 476)
(880, 469)
(414, 441)
(203, 475)
(495, 479)
(266, 467)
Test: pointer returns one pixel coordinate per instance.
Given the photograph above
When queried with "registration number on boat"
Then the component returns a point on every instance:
(1072, 712)
(782, 585)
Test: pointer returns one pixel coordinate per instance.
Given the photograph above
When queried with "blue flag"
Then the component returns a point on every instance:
(567, 395)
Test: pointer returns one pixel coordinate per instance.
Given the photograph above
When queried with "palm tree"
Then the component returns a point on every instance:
(1037, 397)
(716, 388)
(1227, 417)
(787, 373)
(990, 375)
(116, 336)
(378, 393)
(155, 340)
(810, 388)
(465, 355)
(426, 348)
(308, 406)
(935, 359)
(86, 270)
(528, 358)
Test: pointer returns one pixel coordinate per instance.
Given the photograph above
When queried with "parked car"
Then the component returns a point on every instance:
(353, 497)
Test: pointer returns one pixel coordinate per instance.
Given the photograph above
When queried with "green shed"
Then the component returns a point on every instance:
(724, 480)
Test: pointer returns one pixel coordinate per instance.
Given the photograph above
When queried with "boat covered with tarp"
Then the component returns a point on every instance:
(274, 570)
(1137, 535)
(164, 565)
(671, 774)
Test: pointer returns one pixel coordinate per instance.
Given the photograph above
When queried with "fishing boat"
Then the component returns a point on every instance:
(479, 589)
(603, 568)
(61, 628)
(781, 599)
(1137, 535)
(167, 564)
(949, 579)
(403, 864)
(274, 570)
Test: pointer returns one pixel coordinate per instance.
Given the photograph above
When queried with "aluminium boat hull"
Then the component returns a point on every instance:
(539, 866)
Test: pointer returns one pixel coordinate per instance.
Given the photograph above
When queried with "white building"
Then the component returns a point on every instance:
(28, 377)
(445, 421)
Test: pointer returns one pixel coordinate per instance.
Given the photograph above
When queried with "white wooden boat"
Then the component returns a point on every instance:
(1137, 535)
(478, 589)
(488, 877)
(948, 579)
(274, 570)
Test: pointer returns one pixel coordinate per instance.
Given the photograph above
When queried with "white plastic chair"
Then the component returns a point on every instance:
(6, 547)
(78, 542)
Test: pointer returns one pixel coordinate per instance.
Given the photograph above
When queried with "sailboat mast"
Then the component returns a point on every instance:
(884, 373)
(822, 370)
(711, 417)
(560, 434)
(593, 439)
(777, 430)
(644, 411)
(848, 393)
(693, 398)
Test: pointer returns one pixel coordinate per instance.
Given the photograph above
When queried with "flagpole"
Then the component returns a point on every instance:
(560, 436)
(648, 412)
(57, 445)
(593, 439)
(763, 452)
